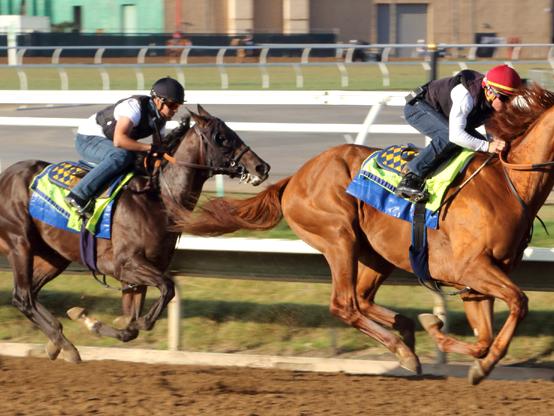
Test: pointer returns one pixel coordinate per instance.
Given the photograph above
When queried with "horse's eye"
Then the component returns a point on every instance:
(219, 139)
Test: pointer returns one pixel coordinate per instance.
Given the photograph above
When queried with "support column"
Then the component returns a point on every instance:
(296, 16)
(240, 16)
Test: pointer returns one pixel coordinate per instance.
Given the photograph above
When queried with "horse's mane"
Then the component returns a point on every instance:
(171, 141)
(520, 113)
(173, 138)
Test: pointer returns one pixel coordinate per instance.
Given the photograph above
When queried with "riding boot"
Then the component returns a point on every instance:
(84, 208)
(412, 187)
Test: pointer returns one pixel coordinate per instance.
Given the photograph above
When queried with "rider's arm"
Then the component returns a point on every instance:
(121, 137)
(462, 104)
(128, 114)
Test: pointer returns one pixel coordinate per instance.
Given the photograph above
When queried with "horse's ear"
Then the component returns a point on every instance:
(198, 119)
(202, 111)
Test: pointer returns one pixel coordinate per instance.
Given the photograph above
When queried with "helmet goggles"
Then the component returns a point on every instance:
(492, 93)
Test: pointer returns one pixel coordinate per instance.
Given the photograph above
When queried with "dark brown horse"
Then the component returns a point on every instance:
(142, 245)
(480, 239)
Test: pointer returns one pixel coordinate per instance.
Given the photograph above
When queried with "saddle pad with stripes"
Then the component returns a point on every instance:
(67, 174)
(47, 202)
(394, 158)
(375, 185)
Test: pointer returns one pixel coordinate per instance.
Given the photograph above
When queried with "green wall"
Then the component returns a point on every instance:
(96, 15)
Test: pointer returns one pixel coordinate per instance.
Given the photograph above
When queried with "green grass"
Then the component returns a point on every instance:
(262, 317)
(402, 75)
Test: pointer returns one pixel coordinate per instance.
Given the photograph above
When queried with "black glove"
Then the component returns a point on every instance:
(157, 150)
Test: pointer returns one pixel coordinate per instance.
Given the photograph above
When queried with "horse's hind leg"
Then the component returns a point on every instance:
(369, 280)
(43, 268)
(345, 302)
(479, 312)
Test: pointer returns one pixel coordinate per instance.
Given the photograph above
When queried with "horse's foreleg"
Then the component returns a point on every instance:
(132, 303)
(479, 312)
(345, 305)
(100, 328)
(491, 281)
(141, 272)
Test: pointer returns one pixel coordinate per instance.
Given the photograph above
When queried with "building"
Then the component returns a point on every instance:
(374, 21)
(94, 16)
(377, 21)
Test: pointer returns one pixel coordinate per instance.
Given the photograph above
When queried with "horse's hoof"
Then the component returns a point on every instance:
(476, 373)
(411, 364)
(429, 321)
(122, 322)
(71, 355)
(52, 350)
(76, 313)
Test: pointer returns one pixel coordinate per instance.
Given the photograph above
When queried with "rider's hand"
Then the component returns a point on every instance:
(496, 146)
(157, 150)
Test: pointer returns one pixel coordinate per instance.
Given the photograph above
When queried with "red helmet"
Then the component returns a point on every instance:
(502, 79)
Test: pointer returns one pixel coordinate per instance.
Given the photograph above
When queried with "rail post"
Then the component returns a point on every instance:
(174, 321)
(433, 60)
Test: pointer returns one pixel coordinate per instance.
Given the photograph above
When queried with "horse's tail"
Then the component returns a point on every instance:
(222, 215)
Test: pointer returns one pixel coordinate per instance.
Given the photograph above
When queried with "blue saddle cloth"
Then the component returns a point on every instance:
(380, 173)
(49, 189)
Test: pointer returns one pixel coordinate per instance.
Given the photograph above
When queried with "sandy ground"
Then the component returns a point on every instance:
(37, 386)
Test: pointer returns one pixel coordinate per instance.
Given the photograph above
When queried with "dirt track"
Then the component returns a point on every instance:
(37, 386)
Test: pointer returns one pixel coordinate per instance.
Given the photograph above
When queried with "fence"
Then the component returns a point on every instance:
(294, 260)
(270, 259)
(266, 56)
(375, 100)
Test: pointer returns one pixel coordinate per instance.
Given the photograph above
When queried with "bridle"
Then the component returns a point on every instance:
(233, 166)
(523, 167)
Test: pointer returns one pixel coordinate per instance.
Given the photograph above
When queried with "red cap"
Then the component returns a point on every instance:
(502, 79)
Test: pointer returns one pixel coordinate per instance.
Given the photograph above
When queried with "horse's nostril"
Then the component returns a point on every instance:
(263, 169)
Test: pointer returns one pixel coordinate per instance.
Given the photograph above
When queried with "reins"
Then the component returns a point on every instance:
(233, 163)
(525, 166)
(459, 188)
(505, 165)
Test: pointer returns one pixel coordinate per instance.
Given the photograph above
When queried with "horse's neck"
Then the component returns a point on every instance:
(181, 184)
(536, 147)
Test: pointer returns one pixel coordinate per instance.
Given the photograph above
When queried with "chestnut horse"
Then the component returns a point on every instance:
(142, 244)
(483, 231)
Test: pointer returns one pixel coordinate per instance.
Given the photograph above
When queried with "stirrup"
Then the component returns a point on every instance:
(419, 197)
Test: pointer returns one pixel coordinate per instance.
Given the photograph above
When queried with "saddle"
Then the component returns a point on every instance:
(67, 174)
(51, 186)
(394, 158)
(381, 172)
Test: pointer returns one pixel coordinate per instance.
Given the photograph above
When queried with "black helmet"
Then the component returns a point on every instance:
(170, 89)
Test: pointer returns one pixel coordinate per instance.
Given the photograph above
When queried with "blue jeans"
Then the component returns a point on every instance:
(110, 161)
(431, 123)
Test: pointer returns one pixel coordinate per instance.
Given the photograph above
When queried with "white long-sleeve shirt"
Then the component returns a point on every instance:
(462, 104)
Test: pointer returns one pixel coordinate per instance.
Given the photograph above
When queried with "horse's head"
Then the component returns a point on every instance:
(225, 152)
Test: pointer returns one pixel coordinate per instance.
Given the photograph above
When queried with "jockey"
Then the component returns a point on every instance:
(110, 137)
(448, 111)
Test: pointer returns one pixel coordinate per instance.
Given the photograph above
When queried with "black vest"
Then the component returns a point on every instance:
(438, 95)
(148, 124)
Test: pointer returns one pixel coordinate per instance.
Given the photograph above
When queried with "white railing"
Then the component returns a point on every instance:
(379, 55)
(267, 259)
(375, 100)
